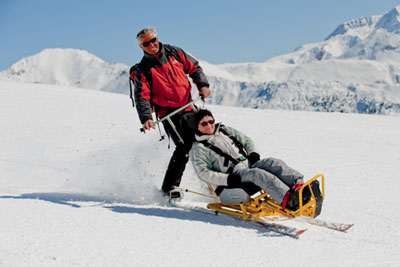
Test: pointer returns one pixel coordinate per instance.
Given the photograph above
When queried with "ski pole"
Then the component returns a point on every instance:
(176, 111)
(197, 193)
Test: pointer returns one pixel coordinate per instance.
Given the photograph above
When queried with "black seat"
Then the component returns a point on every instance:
(249, 188)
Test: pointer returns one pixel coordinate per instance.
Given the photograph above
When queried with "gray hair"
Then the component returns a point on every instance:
(146, 30)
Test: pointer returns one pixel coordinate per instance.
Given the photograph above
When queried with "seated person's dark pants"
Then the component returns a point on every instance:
(180, 157)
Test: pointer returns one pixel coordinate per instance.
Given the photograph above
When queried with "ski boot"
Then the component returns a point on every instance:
(174, 194)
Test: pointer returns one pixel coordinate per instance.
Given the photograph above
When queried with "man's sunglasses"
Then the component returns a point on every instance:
(146, 44)
(204, 123)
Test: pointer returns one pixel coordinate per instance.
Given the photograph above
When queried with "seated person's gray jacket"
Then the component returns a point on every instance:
(208, 164)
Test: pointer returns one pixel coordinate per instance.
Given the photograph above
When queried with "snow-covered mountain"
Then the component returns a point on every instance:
(355, 69)
(71, 67)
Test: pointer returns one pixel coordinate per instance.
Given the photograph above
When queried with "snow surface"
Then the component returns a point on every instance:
(79, 186)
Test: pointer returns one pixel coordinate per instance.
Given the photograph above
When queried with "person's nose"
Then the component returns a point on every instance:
(152, 45)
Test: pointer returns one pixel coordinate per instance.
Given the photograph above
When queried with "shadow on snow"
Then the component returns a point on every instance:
(82, 201)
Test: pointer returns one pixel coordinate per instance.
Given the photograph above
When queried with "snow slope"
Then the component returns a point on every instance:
(79, 186)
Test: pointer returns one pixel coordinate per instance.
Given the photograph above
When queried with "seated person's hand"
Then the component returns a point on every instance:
(253, 158)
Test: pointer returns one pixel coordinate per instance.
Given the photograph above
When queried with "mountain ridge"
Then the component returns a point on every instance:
(355, 67)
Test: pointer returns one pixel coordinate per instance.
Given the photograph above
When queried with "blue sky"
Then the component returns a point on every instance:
(218, 31)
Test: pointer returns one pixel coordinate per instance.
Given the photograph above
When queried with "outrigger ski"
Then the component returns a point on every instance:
(341, 227)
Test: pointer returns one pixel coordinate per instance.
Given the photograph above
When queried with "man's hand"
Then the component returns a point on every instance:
(204, 92)
(147, 125)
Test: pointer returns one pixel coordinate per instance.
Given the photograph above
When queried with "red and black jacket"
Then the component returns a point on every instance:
(169, 87)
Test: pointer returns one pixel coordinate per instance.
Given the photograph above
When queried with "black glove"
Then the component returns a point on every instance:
(234, 179)
(253, 158)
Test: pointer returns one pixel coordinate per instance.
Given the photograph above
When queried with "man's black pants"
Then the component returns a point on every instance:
(184, 125)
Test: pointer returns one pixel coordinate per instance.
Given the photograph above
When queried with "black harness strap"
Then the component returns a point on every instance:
(145, 69)
(131, 81)
(220, 152)
(227, 157)
(170, 51)
(236, 142)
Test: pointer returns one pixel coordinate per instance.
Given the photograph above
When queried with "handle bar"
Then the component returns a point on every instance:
(176, 111)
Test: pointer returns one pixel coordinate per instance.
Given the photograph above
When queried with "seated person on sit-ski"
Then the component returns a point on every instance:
(219, 157)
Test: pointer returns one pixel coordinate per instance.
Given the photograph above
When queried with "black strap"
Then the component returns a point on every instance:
(169, 50)
(220, 152)
(131, 81)
(145, 69)
(235, 141)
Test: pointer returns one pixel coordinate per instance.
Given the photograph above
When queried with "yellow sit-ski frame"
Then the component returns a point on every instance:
(263, 205)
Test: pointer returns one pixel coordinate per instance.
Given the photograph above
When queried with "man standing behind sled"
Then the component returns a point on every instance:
(161, 82)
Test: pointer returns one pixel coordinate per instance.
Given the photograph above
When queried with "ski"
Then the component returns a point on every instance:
(341, 227)
(281, 229)
(275, 227)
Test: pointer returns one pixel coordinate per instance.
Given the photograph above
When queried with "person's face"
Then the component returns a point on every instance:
(149, 43)
(206, 125)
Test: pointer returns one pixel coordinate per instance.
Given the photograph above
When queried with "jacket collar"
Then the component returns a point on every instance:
(159, 54)
(204, 137)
